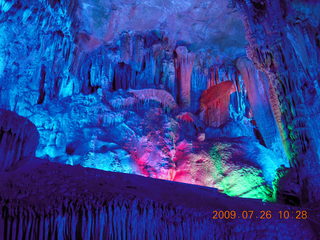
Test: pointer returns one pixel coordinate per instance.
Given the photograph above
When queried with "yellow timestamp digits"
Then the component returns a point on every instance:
(299, 214)
(249, 214)
(263, 214)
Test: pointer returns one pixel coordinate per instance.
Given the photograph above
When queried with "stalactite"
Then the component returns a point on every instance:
(259, 101)
(147, 220)
(183, 65)
(123, 75)
(44, 46)
(199, 82)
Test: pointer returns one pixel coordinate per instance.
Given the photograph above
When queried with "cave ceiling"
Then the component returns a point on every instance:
(199, 24)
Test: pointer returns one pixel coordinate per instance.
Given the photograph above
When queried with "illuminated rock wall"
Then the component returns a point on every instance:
(284, 43)
(125, 101)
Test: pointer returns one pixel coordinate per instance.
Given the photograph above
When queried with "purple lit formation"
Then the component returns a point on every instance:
(221, 98)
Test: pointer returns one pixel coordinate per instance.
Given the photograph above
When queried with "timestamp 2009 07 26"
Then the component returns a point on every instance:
(261, 214)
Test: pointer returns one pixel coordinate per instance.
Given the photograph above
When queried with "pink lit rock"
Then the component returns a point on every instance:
(186, 117)
(154, 151)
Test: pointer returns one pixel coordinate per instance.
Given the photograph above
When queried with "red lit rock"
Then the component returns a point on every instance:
(215, 103)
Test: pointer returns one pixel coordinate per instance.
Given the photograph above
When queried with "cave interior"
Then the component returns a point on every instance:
(159, 119)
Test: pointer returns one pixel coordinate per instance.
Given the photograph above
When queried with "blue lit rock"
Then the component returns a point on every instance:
(18, 139)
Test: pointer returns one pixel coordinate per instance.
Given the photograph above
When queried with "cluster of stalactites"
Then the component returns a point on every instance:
(149, 60)
(36, 55)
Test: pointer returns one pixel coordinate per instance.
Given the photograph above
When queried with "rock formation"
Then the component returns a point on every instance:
(286, 48)
(215, 103)
(18, 139)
